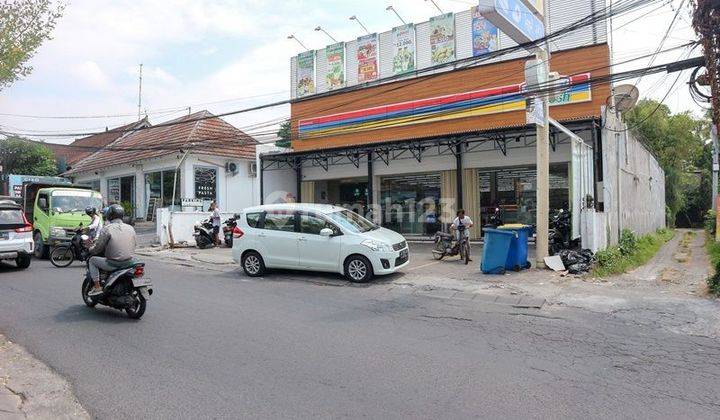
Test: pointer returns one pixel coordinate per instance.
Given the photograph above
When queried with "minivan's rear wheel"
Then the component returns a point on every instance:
(23, 261)
(358, 269)
(253, 264)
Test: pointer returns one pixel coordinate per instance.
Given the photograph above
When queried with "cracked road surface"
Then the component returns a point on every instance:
(224, 346)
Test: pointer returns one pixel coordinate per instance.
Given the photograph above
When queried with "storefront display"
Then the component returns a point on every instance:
(410, 204)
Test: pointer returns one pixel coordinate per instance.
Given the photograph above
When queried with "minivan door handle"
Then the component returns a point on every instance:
(302, 239)
(262, 235)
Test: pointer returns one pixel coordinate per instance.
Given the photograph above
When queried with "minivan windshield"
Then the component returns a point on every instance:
(352, 222)
(74, 201)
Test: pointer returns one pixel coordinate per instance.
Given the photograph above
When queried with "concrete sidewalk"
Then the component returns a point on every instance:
(31, 390)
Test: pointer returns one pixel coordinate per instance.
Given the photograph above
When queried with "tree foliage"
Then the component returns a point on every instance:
(678, 141)
(284, 134)
(23, 157)
(24, 26)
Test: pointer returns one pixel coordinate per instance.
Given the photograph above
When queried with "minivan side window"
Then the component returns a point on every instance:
(253, 219)
(312, 224)
(282, 221)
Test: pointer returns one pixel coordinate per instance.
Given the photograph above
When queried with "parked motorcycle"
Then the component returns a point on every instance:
(560, 231)
(64, 255)
(204, 234)
(495, 219)
(126, 289)
(447, 246)
(228, 229)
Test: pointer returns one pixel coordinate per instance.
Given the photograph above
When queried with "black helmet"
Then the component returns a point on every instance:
(90, 211)
(114, 211)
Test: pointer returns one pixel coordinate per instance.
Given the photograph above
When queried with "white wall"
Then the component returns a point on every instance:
(277, 183)
(182, 225)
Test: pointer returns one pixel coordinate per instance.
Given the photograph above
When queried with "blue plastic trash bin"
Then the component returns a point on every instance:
(495, 250)
(518, 254)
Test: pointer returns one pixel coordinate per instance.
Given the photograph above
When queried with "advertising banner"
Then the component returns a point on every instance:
(403, 39)
(15, 182)
(335, 54)
(305, 74)
(485, 35)
(442, 38)
(367, 55)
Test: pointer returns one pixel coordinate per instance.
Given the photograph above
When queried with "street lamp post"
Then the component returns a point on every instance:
(325, 32)
(396, 14)
(355, 18)
(291, 36)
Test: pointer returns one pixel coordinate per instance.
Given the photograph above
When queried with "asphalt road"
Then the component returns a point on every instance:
(220, 345)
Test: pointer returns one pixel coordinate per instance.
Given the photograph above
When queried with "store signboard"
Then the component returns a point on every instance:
(485, 35)
(514, 18)
(335, 54)
(403, 40)
(367, 57)
(442, 38)
(15, 182)
(305, 74)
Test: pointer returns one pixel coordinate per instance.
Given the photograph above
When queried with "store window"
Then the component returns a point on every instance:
(514, 190)
(206, 183)
(410, 204)
(159, 185)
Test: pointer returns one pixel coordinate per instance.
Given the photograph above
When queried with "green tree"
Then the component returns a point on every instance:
(678, 141)
(24, 26)
(284, 134)
(23, 157)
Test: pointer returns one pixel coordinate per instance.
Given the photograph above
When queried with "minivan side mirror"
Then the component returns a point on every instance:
(327, 232)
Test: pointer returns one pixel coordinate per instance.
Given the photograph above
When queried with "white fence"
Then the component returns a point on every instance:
(180, 225)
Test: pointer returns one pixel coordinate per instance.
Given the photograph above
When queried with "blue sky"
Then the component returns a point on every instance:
(223, 55)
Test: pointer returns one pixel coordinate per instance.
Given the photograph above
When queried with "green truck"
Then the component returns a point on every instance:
(56, 211)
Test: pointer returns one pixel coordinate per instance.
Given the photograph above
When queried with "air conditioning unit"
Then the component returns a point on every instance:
(231, 168)
(252, 169)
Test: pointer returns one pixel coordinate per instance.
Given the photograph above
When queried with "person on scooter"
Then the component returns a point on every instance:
(466, 222)
(96, 223)
(116, 241)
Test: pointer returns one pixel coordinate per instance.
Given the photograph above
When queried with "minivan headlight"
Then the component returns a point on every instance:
(377, 245)
(57, 232)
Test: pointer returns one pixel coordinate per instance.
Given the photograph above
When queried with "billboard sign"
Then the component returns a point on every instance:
(403, 40)
(335, 54)
(485, 35)
(305, 74)
(442, 38)
(514, 18)
(15, 182)
(367, 57)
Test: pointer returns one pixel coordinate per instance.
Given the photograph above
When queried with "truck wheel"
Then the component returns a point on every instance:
(41, 250)
(23, 261)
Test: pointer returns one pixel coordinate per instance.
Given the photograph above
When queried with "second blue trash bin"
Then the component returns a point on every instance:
(518, 255)
(496, 250)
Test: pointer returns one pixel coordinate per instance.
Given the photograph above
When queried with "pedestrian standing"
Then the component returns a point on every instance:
(215, 217)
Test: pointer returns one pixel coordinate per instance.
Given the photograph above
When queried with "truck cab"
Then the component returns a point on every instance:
(56, 212)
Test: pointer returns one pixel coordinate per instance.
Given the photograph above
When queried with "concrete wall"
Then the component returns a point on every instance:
(633, 182)
(182, 225)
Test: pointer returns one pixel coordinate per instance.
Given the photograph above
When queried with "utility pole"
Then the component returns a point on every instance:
(542, 157)
(140, 94)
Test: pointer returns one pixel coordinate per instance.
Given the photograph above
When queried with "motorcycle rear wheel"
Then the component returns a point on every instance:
(62, 256)
(439, 251)
(137, 311)
(465, 252)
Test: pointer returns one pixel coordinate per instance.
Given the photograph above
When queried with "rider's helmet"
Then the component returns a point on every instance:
(90, 211)
(114, 211)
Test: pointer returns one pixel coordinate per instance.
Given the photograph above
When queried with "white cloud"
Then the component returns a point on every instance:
(90, 75)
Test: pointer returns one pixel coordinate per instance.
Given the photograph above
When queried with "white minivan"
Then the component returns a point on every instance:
(316, 237)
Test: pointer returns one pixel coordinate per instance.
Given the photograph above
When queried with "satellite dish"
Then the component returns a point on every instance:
(626, 96)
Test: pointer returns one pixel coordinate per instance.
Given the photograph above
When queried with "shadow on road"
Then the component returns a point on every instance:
(317, 278)
(81, 313)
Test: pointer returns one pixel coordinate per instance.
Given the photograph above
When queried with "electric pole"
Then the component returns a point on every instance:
(542, 157)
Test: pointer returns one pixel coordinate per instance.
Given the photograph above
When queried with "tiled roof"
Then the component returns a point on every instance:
(84, 147)
(207, 136)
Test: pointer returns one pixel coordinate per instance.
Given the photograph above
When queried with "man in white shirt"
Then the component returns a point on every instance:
(465, 222)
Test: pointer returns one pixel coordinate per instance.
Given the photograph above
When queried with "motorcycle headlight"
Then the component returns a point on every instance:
(57, 232)
(377, 245)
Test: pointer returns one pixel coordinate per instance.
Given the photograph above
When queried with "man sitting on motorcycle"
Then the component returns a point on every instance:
(96, 223)
(116, 241)
(465, 222)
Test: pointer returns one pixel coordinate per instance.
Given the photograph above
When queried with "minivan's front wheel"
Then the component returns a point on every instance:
(358, 269)
(253, 264)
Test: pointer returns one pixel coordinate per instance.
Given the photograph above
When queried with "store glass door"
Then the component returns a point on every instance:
(410, 204)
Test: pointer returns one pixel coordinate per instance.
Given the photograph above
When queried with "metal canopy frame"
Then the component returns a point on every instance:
(502, 140)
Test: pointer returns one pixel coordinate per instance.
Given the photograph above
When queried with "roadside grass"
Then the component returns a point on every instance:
(631, 252)
(713, 250)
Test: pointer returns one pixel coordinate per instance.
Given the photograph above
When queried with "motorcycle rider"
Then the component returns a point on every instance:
(96, 224)
(116, 241)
